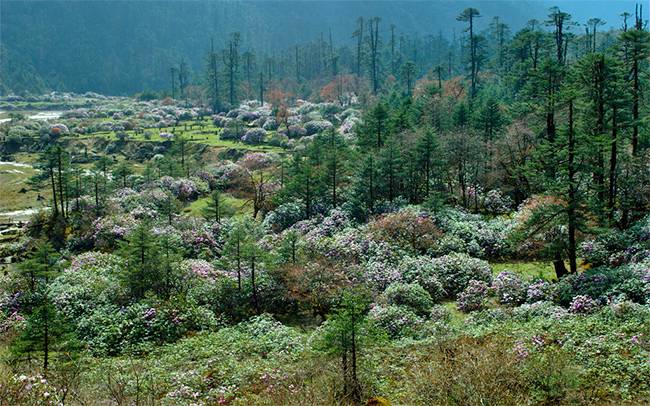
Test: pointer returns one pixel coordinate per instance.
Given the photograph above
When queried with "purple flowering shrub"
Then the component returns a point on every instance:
(198, 238)
(257, 160)
(110, 330)
(336, 221)
(509, 289)
(473, 297)
(379, 275)
(105, 232)
(539, 291)
(582, 304)
(184, 189)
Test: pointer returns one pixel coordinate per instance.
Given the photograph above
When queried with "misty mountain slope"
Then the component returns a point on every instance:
(124, 47)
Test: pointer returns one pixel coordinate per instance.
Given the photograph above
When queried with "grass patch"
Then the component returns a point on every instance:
(527, 270)
(16, 194)
(232, 206)
(201, 132)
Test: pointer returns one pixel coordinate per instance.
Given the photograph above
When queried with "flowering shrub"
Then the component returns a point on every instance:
(440, 313)
(295, 131)
(455, 271)
(336, 220)
(106, 231)
(198, 267)
(166, 136)
(582, 304)
(539, 290)
(233, 131)
(200, 239)
(473, 297)
(495, 202)
(91, 280)
(473, 235)
(257, 160)
(270, 124)
(421, 270)
(31, 390)
(542, 309)
(604, 284)
(220, 121)
(379, 275)
(509, 288)
(254, 136)
(283, 217)
(397, 321)
(410, 295)
(409, 229)
(230, 174)
(110, 330)
(317, 126)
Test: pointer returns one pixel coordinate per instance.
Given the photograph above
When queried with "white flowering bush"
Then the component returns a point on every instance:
(538, 291)
(283, 217)
(495, 202)
(254, 136)
(317, 126)
(455, 271)
(422, 270)
(397, 321)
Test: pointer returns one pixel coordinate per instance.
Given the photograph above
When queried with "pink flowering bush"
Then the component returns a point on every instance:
(230, 174)
(107, 231)
(200, 268)
(257, 160)
(185, 189)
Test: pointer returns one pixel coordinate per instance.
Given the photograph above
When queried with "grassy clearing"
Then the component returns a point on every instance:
(232, 206)
(198, 131)
(16, 194)
(527, 270)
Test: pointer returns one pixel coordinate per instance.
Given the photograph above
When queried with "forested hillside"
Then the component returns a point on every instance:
(393, 214)
(126, 47)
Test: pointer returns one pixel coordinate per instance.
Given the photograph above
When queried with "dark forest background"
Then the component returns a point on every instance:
(122, 47)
